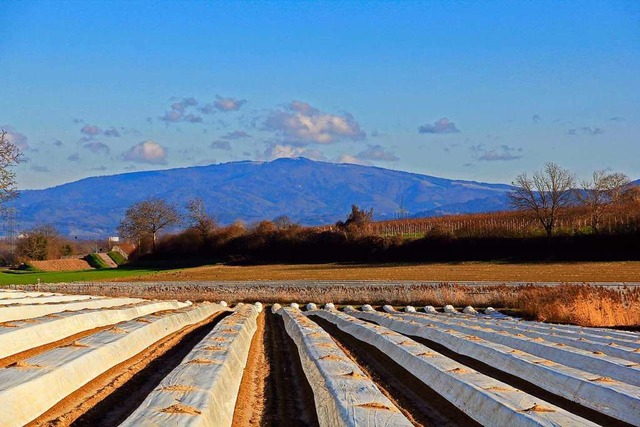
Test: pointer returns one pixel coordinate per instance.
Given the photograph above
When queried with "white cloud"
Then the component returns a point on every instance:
(348, 158)
(147, 152)
(300, 123)
(439, 126)
(277, 151)
(224, 104)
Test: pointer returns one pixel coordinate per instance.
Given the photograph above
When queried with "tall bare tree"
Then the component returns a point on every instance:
(199, 219)
(10, 156)
(601, 192)
(146, 219)
(543, 194)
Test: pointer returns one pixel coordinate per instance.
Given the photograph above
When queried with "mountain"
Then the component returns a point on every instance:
(307, 191)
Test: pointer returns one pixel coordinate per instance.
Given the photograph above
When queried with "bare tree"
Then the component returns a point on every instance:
(146, 219)
(601, 192)
(10, 156)
(199, 219)
(543, 194)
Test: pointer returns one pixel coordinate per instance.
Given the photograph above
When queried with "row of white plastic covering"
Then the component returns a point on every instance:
(21, 335)
(614, 398)
(485, 399)
(10, 313)
(593, 361)
(46, 299)
(343, 394)
(203, 389)
(32, 386)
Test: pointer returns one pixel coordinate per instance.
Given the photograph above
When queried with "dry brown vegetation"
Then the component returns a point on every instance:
(620, 218)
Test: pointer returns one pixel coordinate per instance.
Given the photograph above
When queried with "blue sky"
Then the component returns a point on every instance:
(479, 90)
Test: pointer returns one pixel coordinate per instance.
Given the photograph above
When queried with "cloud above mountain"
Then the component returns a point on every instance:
(300, 123)
(147, 152)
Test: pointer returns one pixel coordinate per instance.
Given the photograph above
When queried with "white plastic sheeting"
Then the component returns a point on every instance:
(4, 294)
(430, 309)
(9, 313)
(628, 339)
(207, 380)
(410, 309)
(22, 335)
(627, 350)
(590, 361)
(343, 394)
(367, 307)
(47, 299)
(312, 306)
(486, 400)
(616, 399)
(295, 305)
(275, 307)
(329, 306)
(449, 309)
(388, 308)
(43, 379)
(469, 310)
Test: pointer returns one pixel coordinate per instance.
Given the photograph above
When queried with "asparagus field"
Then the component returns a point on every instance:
(90, 360)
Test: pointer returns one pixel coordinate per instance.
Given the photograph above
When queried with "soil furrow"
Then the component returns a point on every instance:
(289, 397)
(250, 405)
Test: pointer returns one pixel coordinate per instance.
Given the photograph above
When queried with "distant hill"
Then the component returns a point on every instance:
(309, 192)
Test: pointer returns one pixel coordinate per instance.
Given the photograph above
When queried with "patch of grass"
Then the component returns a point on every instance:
(117, 257)
(16, 277)
(95, 261)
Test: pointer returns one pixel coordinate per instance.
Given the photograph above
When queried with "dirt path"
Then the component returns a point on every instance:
(289, 398)
(250, 405)
(419, 403)
(110, 398)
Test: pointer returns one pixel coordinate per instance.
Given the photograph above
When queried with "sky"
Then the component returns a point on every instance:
(478, 90)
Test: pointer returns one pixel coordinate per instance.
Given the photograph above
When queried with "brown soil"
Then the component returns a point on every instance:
(62, 265)
(627, 271)
(111, 397)
(250, 405)
(419, 403)
(289, 397)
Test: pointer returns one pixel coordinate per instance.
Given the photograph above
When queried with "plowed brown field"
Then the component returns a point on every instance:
(62, 265)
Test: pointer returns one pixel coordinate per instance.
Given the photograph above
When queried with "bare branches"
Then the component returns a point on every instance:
(199, 219)
(145, 219)
(543, 194)
(10, 156)
(601, 192)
